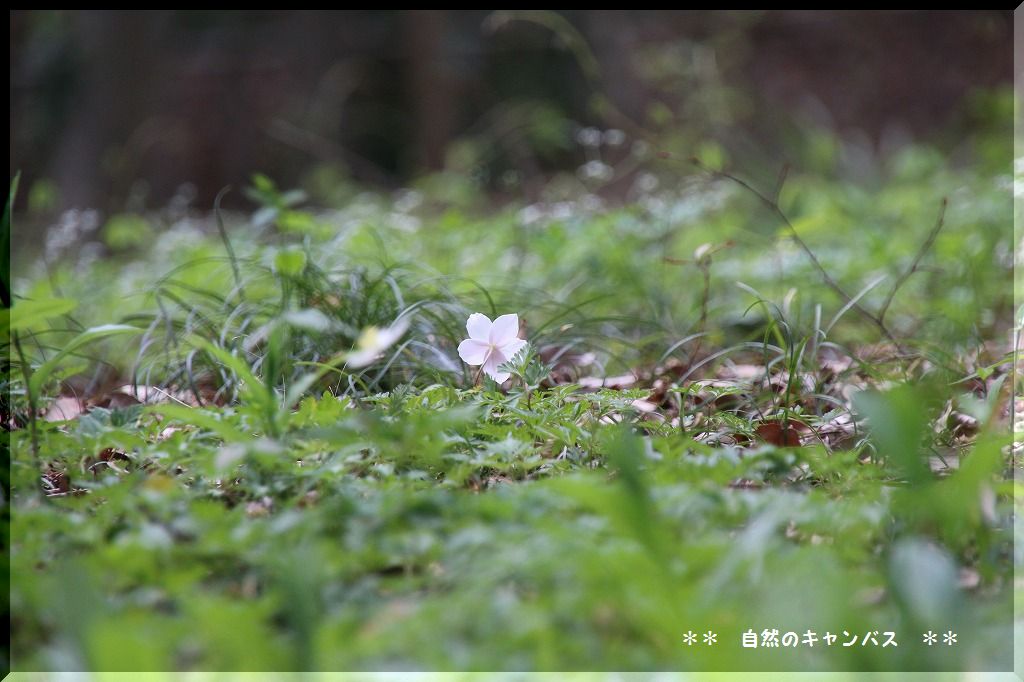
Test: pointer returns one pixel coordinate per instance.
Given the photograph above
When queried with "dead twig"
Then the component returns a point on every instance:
(925, 247)
(773, 205)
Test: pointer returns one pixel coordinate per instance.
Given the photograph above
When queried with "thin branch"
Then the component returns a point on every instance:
(705, 269)
(774, 207)
(925, 247)
(779, 182)
(703, 263)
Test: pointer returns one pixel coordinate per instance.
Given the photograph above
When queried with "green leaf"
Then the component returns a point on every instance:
(897, 419)
(43, 372)
(923, 580)
(253, 386)
(27, 314)
(276, 357)
(290, 262)
(201, 418)
(127, 231)
(304, 382)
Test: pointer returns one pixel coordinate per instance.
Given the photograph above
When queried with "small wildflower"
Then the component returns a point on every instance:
(491, 344)
(373, 341)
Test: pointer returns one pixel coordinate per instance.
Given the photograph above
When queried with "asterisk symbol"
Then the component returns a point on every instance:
(929, 638)
(710, 637)
(690, 637)
(949, 639)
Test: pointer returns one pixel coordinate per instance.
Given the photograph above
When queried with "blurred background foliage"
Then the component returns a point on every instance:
(559, 135)
(113, 110)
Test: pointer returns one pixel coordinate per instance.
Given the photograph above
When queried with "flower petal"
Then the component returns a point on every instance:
(362, 358)
(473, 352)
(491, 368)
(479, 327)
(393, 333)
(504, 329)
(510, 349)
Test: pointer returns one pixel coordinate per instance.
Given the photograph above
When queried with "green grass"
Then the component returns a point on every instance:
(287, 511)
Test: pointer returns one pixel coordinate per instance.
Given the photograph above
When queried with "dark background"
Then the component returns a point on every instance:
(119, 107)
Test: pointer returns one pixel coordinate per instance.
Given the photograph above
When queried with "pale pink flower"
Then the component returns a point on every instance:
(491, 344)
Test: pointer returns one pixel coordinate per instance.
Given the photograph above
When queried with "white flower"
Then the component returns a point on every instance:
(373, 341)
(491, 344)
